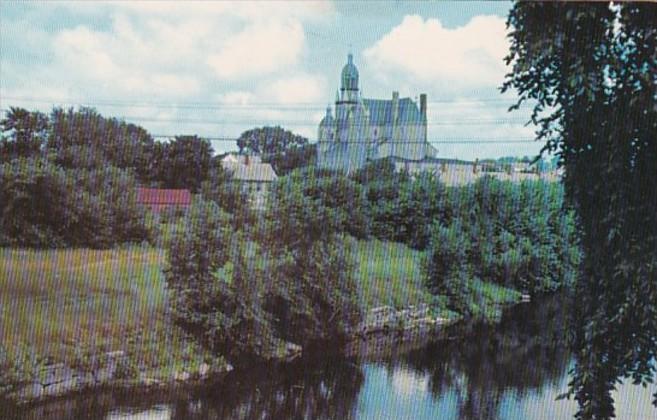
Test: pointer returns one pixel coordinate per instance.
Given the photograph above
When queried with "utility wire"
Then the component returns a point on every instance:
(216, 105)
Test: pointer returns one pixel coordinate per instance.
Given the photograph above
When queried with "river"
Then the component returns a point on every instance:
(512, 370)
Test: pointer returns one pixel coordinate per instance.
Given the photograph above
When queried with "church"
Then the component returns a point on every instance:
(363, 130)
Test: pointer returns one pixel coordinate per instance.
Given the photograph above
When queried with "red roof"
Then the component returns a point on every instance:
(160, 197)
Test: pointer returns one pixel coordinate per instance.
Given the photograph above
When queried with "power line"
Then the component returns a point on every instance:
(218, 106)
(440, 141)
(306, 123)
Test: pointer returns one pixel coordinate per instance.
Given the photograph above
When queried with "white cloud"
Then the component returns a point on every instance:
(426, 50)
(259, 49)
(298, 89)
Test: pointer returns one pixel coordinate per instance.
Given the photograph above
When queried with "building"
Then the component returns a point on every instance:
(369, 129)
(254, 176)
(157, 199)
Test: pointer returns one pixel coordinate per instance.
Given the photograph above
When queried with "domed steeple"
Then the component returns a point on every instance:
(349, 75)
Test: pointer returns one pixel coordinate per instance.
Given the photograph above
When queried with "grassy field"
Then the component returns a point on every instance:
(60, 303)
(389, 274)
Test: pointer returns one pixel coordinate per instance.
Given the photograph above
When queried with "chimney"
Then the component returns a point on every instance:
(395, 106)
(423, 105)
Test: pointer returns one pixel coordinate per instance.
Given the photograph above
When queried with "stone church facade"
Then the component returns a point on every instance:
(363, 129)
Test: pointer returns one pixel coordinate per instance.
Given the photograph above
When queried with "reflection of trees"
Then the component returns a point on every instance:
(523, 353)
(292, 392)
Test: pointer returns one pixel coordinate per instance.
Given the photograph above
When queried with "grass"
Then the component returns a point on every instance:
(390, 274)
(490, 299)
(59, 302)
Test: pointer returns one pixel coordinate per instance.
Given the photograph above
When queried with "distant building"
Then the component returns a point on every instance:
(369, 129)
(454, 172)
(157, 199)
(254, 176)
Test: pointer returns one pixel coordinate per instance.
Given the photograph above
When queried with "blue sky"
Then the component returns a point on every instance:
(219, 68)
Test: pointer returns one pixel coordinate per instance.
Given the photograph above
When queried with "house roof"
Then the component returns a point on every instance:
(258, 172)
(152, 196)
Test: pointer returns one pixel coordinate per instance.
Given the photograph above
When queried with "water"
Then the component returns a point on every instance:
(514, 370)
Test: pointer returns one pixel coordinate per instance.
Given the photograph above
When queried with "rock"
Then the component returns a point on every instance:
(31, 391)
(203, 370)
(151, 382)
(103, 375)
(182, 376)
(54, 373)
(292, 351)
(85, 380)
(61, 388)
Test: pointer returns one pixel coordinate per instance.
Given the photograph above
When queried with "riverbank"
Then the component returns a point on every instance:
(73, 320)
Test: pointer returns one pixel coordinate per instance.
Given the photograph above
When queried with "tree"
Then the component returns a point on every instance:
(282, 148)
(183, 163)
(23, 133)
(83, 138)
(592, 72)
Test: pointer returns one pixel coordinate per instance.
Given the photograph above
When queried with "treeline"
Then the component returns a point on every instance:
(288, 277)
(519, 235)
(69, 178)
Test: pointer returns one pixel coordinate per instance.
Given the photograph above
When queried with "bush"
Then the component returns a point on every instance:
(43, 205)
(246, 297)
(516, 235)
(401, 207)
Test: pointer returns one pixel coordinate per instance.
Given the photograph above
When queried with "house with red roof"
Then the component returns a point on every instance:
(157, 199)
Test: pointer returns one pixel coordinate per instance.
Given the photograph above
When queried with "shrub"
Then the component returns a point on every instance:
(43, 205)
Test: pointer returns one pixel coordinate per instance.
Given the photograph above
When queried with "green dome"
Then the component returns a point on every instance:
(350, 74)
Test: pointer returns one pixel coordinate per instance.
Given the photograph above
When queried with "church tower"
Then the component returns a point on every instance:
(348, 96)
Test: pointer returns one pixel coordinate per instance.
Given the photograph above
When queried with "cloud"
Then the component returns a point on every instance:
(470, 55)
(259, 49)
(302, 88)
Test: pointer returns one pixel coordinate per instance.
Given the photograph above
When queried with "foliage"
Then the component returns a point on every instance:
(24, 134)
(17, 367)
(247, 298)
(85, 139)
(285, 150)
(44, 205)
(333, 191)
(401, 207)
(315, 295)
(185, 162)
(592, 72)
(510, 234)
(228, 195)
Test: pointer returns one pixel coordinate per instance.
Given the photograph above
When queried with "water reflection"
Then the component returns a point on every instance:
(513, 370)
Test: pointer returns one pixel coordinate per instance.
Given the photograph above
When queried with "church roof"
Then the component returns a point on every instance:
(381, 111)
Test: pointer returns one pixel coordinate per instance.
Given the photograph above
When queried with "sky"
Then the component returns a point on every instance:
(217, 68)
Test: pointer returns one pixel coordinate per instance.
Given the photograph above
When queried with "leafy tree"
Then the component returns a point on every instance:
(401, 207)
(592, 72)
(23, 133)
(315, 295)
(285, 150)
(513, 234)
(229, 195)
(334, 191)
(85, 139)
(43, 205)
(185, 162)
